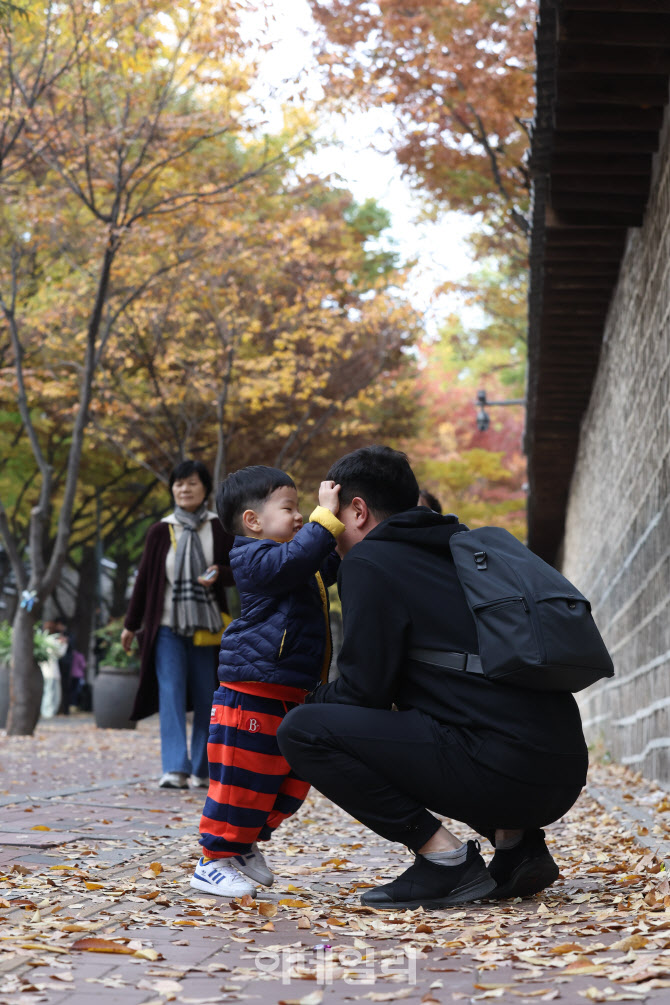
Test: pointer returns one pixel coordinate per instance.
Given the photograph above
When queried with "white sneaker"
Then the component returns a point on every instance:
(173, 780)
(199, 781)
(221, 878)
(254, 866)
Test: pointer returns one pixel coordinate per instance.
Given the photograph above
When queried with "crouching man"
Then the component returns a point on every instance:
(504, 760)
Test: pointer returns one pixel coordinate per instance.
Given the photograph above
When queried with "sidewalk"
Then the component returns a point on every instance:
(95, 902)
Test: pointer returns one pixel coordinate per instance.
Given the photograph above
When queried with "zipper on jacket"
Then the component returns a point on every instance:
(282, 644)
(502, 603)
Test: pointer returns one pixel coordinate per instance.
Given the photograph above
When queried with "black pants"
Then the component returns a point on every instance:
(388, 769)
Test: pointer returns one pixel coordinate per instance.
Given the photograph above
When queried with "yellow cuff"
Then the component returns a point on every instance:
(327, 519)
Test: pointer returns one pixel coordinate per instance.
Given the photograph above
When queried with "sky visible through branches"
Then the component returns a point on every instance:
(360, 154)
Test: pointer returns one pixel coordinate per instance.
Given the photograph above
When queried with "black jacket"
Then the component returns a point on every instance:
(400, 590)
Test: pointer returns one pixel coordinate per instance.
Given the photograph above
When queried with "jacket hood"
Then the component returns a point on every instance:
(420, 527)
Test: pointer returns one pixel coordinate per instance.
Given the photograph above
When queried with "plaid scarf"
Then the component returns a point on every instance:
(193, 605)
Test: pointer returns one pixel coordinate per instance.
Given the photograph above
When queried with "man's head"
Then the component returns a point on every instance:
(258, 502)
(376, 482)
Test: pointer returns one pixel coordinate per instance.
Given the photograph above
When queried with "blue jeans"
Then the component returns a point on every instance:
(183, 668)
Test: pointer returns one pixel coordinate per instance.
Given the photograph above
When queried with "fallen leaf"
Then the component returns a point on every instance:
(631, 942)
(390, 996)
(102, 946)
(567, 947)
(314, 998)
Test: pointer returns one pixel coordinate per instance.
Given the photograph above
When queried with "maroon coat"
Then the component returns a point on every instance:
(146, 607)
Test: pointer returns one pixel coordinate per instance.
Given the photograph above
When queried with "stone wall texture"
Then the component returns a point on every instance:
(617, 542)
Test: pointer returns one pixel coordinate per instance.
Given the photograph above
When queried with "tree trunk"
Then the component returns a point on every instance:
(8, 595)
(120, 588)
(25, 681)
(84, 611)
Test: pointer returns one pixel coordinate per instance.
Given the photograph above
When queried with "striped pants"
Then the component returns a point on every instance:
(251, 786)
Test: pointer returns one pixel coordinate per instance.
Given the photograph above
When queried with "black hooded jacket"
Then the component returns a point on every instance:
(400, 590)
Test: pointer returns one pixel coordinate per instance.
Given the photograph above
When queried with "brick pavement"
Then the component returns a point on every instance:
(90, 848)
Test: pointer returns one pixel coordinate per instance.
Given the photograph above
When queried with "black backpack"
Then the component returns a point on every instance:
(535, 628)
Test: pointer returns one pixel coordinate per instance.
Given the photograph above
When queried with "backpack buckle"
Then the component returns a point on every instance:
(480, 560)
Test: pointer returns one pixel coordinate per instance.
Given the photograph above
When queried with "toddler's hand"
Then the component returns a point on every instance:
(329, 496)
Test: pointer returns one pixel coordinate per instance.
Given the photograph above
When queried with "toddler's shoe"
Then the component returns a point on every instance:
(523, 870)
(221, 878)
(173, 780)
(254, 866)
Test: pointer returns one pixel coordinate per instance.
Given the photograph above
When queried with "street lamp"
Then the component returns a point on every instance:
(483, 418)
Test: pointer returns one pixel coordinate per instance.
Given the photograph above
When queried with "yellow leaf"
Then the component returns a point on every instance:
(102, 946)
(567, 947)
(45, 946)
(584, 966)
(147, 954)
(40, 827)
(630, 942)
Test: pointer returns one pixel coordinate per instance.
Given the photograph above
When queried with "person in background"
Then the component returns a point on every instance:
(60, 628)
(427, 498)
(179, 594)
(77, 678)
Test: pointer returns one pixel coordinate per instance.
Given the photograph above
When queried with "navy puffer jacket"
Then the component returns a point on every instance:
(282, 634)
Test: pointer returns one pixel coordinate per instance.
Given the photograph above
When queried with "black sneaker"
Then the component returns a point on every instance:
(427, 884)
(523, 870)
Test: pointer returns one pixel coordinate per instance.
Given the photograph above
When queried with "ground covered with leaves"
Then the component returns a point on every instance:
(95, 863)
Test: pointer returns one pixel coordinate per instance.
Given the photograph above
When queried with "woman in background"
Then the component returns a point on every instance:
(179, 593)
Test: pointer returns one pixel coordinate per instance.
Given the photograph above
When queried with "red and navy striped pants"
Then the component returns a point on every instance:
(251, 786)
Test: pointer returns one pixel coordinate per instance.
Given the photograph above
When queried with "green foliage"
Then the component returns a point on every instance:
(46, 645)
(5, 643)
(488, 335)
(7, 10)
(112, 653)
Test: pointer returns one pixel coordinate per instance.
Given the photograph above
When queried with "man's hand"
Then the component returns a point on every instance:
(127, 639)
(329, 496)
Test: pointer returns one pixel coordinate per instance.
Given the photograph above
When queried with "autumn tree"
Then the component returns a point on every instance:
(479, 476)
(282, 342)
(103, 109)
(7, 9)
(459, 77)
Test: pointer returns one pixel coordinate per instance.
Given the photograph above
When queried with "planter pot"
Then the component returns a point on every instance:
(4, 694)
(114, 692)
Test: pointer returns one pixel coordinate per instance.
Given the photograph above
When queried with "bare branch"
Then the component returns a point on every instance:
(12, 549)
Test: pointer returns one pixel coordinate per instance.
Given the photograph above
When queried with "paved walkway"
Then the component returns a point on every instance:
(95, 902)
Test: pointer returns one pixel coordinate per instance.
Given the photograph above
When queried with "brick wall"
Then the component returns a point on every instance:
(617, 542)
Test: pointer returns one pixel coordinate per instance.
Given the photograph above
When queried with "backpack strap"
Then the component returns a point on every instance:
(469, 662)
